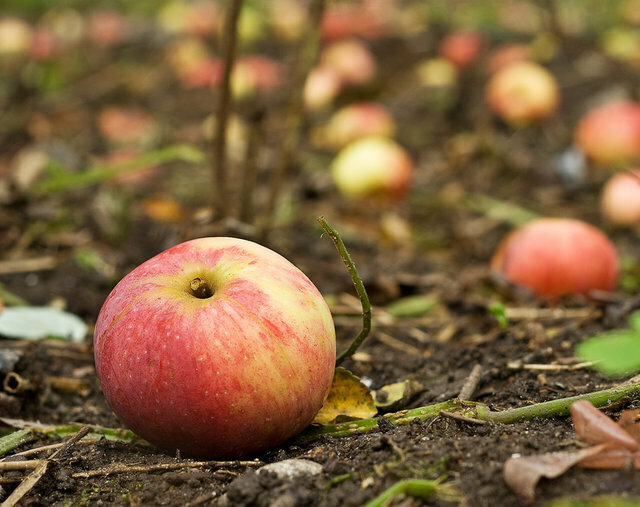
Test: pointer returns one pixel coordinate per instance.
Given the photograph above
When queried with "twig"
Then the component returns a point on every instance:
(525, 313)
(357, 282)
(29, 464)
(463, 418)
(67, 429)
(553, 408)
(224, 100)
(251, 167)
(291, 138)
(27, 265)
(120, 468)
(393, 342)
(471, 383)
(45, 448)
(519, 365)
(40, 469)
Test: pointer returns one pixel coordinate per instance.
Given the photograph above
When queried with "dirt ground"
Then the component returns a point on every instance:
(460, 152)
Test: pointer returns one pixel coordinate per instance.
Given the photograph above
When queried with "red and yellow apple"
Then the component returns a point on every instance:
(461, 48)
(610, 134)
(523, 93)
(373, 167)
(355, 121)
(218, 347)
(620, 198)
(553, 257)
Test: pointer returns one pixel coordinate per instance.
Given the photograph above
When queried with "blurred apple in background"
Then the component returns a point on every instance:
(373, 167)
(553, 257)
(352, 60)
(321, 88)
(610, 134)
(523, 93)
(352, 122)
(620, 198)
(506, 55)
(15, 36)
(462, 48)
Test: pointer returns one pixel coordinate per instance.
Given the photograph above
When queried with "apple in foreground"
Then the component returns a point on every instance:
(373, 167)
(218, 347)
(553, 257)
(620, 198)
(523, 93)
(610, 134)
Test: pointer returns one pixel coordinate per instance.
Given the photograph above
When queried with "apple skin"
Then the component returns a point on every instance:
(373, 167)
(620, 198)
(609, 135)
(222, 376)
(553, 257)
(461, 48)
(523, 93)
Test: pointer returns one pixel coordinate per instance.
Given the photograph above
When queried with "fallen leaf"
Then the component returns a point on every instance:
(630, 423)
(593, 427)
(612, 459)
(523, 473)
(164, 210)
(396, 396)
(38, 322)
(348, 399)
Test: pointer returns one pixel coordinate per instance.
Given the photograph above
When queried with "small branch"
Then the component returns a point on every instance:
(293, 121)
(462, 418)
(120, 468)
(224, 100)
(249, 177)
(357, 282)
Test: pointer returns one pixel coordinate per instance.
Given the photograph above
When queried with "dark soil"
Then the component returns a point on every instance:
(458, 151)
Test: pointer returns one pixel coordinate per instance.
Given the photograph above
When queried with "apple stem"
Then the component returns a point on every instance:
(357, 282)
(200, 288)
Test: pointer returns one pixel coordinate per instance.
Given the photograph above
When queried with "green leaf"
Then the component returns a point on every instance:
(499, 311)
(616, 353)
(412, 306)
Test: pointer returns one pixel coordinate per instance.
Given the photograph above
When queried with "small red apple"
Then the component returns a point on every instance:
(610, 134)
(373, 167)
(321, 88)
(461, 48)
(620, 198)
(506, 55)
(553, 257)
(352, 60)
(355, 121)
(522, 93)
(218, 347)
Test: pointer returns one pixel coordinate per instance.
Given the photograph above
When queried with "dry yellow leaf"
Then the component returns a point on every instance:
(349, 399)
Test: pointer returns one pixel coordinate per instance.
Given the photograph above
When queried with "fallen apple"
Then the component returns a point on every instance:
(553, 257)
(610, 134)
(461, 48)
(218, 347)
(620, 198)
(373, 167)
(523, 93)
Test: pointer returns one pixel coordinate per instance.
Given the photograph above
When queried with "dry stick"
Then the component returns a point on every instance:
(293, 122)
(553, 408)
(41, 468)
(251, 166)
(471, 383)
(120, 468)
(357, 282)
(224, 100)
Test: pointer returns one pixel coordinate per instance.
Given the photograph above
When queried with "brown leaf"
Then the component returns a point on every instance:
(612, 458)
(594, 427)
(397, 396)
(349, 399)
(629, 422)
(523, 473)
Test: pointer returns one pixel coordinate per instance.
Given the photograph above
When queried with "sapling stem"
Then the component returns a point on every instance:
(553, 408)
(307, 57)
(357, 282)
(223, 106)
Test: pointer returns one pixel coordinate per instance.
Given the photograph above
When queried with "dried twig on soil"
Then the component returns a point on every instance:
(40, 469)
(27, 265)
(357, 282)
(526, 313)
(121, 468)
(392, 342)
(519, 365)
(222, 111)
(471, 383)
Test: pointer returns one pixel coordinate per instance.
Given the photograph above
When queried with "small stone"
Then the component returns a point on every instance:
(292, 468)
